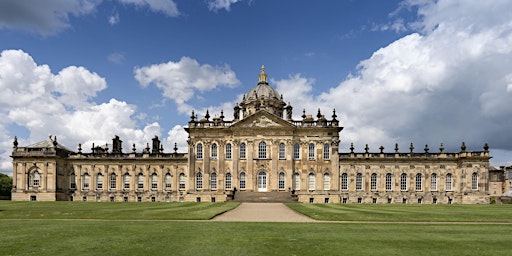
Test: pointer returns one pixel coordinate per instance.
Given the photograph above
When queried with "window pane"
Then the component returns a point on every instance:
(242, 151)
(474, 181)
(113, 181)
(327, 152)
(199, 181)
(449, 181)
(199, 151)
(214, 151)
(242, 180)
(433, 182)
(311, 151)
(281, 180)
(228, 181)
(327, 181)
(311, 181)
(403, 182)
(344, 181)
(373, 181)
(296, 151)
(419, 182)
(213, 181)
(182, 181)
(359, 181)
(282, 151)
(388, 182)
(296, 181)
(262, 150)
(228, 151)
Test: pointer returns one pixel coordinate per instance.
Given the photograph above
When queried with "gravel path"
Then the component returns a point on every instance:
(262, 212)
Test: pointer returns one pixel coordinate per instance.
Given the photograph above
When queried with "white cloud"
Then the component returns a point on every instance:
(52, 16)
(180, 80)
(116, 57)
(61, 104)
(168, 7)
(450, 82)
(44, 17)
(114, 18)
(215, 5)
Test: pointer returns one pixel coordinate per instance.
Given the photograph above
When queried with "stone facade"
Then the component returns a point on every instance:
(261, 150)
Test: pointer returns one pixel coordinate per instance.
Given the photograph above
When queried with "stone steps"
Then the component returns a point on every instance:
(266, 197)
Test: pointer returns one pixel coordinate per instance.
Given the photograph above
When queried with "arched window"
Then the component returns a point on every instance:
(344, 181)
(403, 182)
(87, 181)
(296, 151)
(281, 181)
(126, 181)
(327, 151)
(154, 181)
(311, 181)
(474, 181)
(359, 181)
(262, 150)
(311, 151)
(214, 151)
(181, 181)
(113, 181)
(72, 181)
(228, 181)
(99, 181)
(242, 150)
(199, 151)
(449, 186)
(140, 181)
(296, 181)
(242, 180)
(389, 182)
(373, 181)
(228, 151)
(327, 181)
(35, 179)
(213, 181)
(167, 181)
(419, 182)
(433, 182)
(282, 151)
(199, 180)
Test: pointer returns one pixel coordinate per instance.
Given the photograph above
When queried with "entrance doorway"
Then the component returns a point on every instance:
(262, 182)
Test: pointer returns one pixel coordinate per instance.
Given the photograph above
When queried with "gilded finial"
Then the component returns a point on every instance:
(263, 76)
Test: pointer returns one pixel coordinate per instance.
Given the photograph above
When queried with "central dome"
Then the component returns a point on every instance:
(262, 89)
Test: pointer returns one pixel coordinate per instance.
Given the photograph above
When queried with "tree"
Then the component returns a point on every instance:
(5, 186)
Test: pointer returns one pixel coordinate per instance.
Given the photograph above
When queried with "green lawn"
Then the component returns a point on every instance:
(408, 212)
(112, 211)
(87, 228)
(94, 237)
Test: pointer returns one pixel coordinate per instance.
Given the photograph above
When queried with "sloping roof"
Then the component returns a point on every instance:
(48, 144)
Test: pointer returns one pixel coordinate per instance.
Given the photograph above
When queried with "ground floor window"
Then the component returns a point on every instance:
(281, 180)
(228, 181)
(242, 180)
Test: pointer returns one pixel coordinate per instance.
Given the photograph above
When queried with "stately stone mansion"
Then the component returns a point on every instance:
(261, 154)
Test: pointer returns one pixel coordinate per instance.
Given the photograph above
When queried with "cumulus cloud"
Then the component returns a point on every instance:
(448, 82)
(180, 80)
(52, 16)
(43, 102)
(215, 5)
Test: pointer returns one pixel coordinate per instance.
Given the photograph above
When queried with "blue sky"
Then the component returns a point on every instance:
(420, 71)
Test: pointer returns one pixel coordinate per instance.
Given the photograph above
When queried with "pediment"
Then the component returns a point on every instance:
(262, 119)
